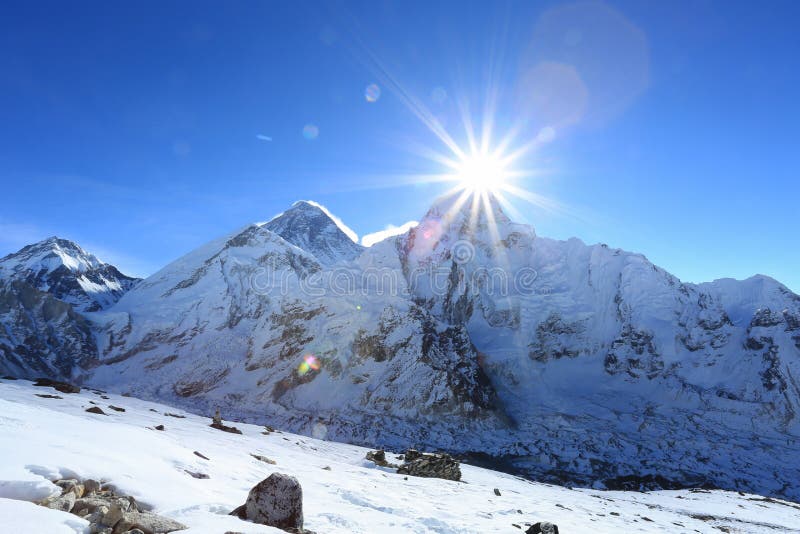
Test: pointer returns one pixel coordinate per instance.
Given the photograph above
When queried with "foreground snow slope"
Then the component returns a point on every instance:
(46, 438)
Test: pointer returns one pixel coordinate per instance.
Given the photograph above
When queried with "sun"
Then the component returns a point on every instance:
(481, 173)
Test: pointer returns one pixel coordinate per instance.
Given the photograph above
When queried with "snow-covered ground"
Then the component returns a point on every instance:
(44, 438)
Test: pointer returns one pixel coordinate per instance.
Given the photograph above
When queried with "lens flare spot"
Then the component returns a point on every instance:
(309, 363)
(310, 131)
(438, 95)
(372, 93)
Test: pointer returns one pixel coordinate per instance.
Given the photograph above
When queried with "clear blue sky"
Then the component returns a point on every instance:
(132, 127)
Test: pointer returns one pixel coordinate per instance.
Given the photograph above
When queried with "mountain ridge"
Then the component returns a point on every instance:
(569, 362)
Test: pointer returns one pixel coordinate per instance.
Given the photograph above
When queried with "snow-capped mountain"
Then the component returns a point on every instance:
(470, 333)
(312, 228)
(63, 269)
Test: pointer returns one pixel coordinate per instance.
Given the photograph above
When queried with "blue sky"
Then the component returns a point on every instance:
(133, 128)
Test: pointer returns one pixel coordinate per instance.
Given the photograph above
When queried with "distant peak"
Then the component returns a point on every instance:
(314, 209)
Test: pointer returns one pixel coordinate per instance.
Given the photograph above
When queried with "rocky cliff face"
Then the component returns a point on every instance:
(41, 336)
(311, 227)
(470, 333)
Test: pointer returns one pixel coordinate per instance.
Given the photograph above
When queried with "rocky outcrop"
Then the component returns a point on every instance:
(276, 501)
(420, 464)
(41, 336)
(107, 512)
(430, 465)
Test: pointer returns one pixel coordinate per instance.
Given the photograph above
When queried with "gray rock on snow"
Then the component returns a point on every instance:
(276, 501)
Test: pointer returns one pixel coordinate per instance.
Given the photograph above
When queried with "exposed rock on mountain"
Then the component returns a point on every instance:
(66, 271)
(41, 336)
(311, 227)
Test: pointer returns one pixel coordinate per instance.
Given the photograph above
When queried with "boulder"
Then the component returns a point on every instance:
(95, 409)
(543, 527)
(379, 457)
(147, 522)
(276, 501)
(90, 486)
(63, 503)
(89, 505)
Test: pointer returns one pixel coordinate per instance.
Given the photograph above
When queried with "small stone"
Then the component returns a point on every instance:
(159, 427)
(116, 408)
(201, 455)
(327, 468)
(194, 474)
(96, 409)
(497, 492)
(263, 459)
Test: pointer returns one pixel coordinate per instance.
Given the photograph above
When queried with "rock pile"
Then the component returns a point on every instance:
(276, 501)
(107, 512)
(421, 464)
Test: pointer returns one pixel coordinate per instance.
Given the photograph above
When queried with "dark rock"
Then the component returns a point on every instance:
(63, 387)
(204, 457)
(96, 409)
(194, 474)
(224, 428)
(45, 396)
(542, 527)
(497, 492)
(175, 415)
(276, 501)
(160, 427)
(116, 408)
(430, 465)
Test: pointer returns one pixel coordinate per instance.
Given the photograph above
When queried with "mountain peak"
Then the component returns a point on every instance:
(311, 227)
(64, 269)
(51, 254)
